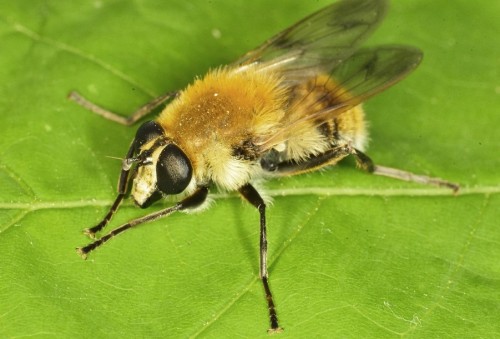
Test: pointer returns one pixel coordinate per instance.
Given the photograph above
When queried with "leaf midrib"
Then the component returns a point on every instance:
(317, 191)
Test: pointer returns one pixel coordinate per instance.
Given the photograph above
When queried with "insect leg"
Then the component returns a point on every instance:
(130, 120)
(367, 164)
(253, 197)
(122, 190)
(93, 230)
(337, 153)
(194, 200)
(292, 167)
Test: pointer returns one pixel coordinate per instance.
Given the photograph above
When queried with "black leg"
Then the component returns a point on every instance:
(194, 200)
(252, 196)
(292, 167)
(122, 190)
(130, 120)
(93, 230)
(364, 161)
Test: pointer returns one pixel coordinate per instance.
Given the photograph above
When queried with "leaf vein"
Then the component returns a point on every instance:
(75, 51)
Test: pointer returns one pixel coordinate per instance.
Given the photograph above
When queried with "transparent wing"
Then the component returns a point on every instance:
(319, 42)
(364, 74)
(367, 72)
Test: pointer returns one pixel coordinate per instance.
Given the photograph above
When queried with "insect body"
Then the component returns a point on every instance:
(288, 107)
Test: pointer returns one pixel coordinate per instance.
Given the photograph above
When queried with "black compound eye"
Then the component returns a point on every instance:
(147, 132)
(173, 170)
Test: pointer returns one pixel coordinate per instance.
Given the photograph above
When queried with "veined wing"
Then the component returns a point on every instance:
(364, 74)
(319, 42)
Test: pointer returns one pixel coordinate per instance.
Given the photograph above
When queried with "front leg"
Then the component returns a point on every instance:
(253, 197)
(192, 201)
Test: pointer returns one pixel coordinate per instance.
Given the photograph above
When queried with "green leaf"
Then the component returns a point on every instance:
(350, 254)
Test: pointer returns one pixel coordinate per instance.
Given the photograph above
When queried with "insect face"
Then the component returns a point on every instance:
(162, 167)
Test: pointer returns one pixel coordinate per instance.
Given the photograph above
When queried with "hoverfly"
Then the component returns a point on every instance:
(290, 106)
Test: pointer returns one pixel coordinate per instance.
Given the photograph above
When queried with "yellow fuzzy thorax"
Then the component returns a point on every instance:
(219, 111)
(246, 99)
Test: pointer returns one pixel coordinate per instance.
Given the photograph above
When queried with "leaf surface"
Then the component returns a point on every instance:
(351, 255)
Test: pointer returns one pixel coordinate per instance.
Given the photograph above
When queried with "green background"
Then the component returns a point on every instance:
(351, 255)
